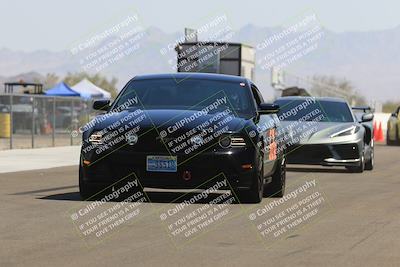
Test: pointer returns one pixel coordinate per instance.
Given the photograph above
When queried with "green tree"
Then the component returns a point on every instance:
(390, 106)
(101, 81)
(50, 80)
(323, 85)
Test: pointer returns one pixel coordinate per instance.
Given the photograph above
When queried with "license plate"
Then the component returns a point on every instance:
(161, 163)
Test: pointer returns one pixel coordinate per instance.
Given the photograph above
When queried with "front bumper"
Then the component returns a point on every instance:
(205, 169)
(325, 154)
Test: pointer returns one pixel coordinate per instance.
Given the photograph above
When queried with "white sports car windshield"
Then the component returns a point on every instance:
(305, 110)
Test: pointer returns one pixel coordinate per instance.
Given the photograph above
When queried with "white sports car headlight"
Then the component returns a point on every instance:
(348, 131)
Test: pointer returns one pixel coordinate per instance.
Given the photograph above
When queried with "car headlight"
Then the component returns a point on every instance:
(348, 131)
(238, 141)
(231, 141)
(96, 138)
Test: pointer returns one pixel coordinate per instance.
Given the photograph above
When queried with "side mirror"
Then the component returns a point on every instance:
(265, 108)
(367, 117)
(103, 105)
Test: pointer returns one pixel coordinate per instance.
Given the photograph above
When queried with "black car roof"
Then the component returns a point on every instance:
(192, 75)
(331, 99)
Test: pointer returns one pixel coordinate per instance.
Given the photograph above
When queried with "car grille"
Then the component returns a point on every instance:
(317, 153)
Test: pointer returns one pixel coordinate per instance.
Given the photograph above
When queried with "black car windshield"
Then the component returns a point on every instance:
(311, 109)
(188, 94)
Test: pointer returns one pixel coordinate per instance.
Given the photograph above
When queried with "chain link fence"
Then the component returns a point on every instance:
(34, 121)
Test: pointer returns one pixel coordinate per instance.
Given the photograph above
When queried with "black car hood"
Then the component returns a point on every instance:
(164, 118)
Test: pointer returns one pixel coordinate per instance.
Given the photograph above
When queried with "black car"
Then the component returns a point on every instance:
(179, 131)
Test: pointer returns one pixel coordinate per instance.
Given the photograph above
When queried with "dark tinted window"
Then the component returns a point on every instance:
(311, 109)
(192, 94)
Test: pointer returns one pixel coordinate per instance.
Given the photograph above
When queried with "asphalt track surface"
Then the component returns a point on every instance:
(359, 225)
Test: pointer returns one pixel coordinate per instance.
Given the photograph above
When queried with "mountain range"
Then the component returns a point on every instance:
(370, 60)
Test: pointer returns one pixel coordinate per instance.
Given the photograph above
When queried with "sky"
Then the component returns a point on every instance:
(53, 25)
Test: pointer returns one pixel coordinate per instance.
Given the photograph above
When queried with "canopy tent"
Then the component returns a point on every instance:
(61, 89)
(88, 90)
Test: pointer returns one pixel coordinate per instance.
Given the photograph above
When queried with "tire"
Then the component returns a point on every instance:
(369, 165)
(397, 140)
(360, 168)
(85, 191)
(255, 193)
(388, 141)
(277, 186)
